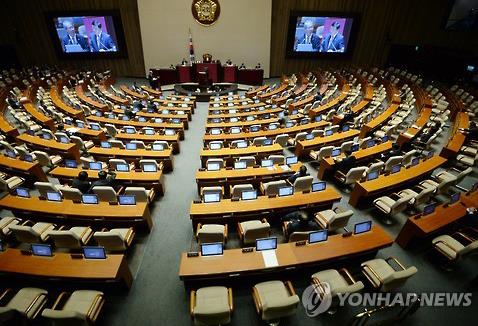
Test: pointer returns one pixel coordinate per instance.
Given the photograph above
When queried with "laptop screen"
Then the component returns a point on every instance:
(70, 163)
(318, 236)
(266, 244)
(235, 130)
(127, 199)
(396, 168)
(22, 192)
(213, 167)
(89, 199)
(329, 132)
(157, 147)
(266, 163)
(455, 197)
(309, 136)
(95, 166)
(249, 194)
(169, 132)
(362, 227)
(94, 252)
(241, 144)
(318, 186)
(215, 131)
(43, 250)
(429, 209)
(372, 175)
(149, 131)
(212, 198)
(211, 249)
(240, 165)
(122, 167)
(53, 196)
(105, 144)
(336, 152)
(214, 146)
(291, 160)
(150, 168)
(286, 191)
(131, 146)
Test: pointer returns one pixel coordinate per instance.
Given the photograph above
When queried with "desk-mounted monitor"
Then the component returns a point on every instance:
(94, 252)
(266, 244)
(212, 249)
(318, 236)
(362, 227)
(42, 250)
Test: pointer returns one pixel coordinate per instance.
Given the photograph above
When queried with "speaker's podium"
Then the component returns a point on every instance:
(212, 68)
(230, 73)
(184, 73)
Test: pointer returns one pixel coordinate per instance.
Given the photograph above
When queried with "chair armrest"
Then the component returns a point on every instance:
(198, 227)
(89, 236)
(30, 307)
(192, 303)
(396, 262)
(284, 229)
(4, 295)
(443, 252)
(347, 274)
(464, 237)
(230, 301)
(257, 300)
(225, 233)
(321, 220)
(380, 280)
(120, 190)
(95, 308)
(27, 222)
(59, 299)
(129, 237)
(290, 288)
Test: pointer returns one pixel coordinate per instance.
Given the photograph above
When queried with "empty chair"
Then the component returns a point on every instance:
(456, 246)
(346, 146)
(22, 151)
(81, 306)
(282, 139)
(274, 300)
(140, 144)
(144, 162)
(27, 303)
(391, 207)
(7, 146)
(443, 175)
(115, 239)
(333, 219)
(383, 276)
(298, 137)
(465, 159)
(442, 186)
(111, 129)
(117, 144)
(49, 133)
(237, 190)
(105, 193)
(297, 236)
(46, 160)
(74, 238)
(408, 157)
(250, 231)
(82, 145)
(6, 223)
(10, 183)
(44, 187)
(418, 198)
(141, 194)
(211, 305)
(219, 144)
(277, 159)
(148, 130)
(324, 152)
(250, 160)
(212, 190)
(303, 183)
(392, 161)
(70, 193)
(114, 162)
(272, 187)
(375, 167)
(36, 233)
(352, 176)
(206, 233)
(218, 161)
(259, 141)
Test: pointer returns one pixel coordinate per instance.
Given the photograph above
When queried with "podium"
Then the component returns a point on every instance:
(230, 74)
(250, 76)
(213, 70)
(184, 73)
(166, 76)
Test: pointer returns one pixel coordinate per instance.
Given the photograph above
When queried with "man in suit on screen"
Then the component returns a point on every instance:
(334, 42)
(309, 36)
(100, 41)
(72, 38)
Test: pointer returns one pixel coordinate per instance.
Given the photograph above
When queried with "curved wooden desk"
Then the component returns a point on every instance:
(379, 120)
(303, 147)
(229, 154)
(65, 108)
(51, 146)
(418, 126)
(457, 139)
(173, 140)
(27, 170)
(132, 93)
(151, 91)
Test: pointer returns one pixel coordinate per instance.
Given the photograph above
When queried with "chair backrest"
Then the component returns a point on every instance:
(258, 141)
(210, 235)
(282, 139)
(238, 189)
(397, 279)
(469, 249)
(43, 158)
(70, 193)
(116, 143)
(272, 188)
(25, 234)
(325, 151)
(277, 159)
(346, 146)
(143, 162)
(105, 193)
(250, 160)
(111, 129)
(355, 174)
(262, 230)
(300, 136)
(446, 184)
(340, 220)
(407, 158)
(394, 160)
(375, 167)
(460, 176)
(400, 205)
(65, 239)
(303, 183)
(44, 187)
(110, 240)
(212, 190)
(139, 192)
(78, 141)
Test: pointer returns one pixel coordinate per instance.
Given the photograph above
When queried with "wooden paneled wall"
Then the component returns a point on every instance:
(27, 29)
(382, 23)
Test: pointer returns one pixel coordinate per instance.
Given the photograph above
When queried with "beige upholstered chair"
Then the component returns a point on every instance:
(417, 198)
(298, 137)
(11, 183)
(259, 141)
(38, 232)
(250, 160)
(377, 166)
(303, 183)
(82, 305)
(441, 186)
(277, 159)
(212, 190)
(218, 161)
(272, 187)
(206, 233)
(115, 239)
(334, 219)
(143, 162)
(282, 139)
(324, 152)
(116, 144)
(70, 193)
(105, 193)
(27, 303)
(383, 276)
(113, 162)
(111, 129)
(456, 246)
(298, 236)
(237, 190)
(73, 238)
(82, 145)
(44, 187)
(390, 206)
(142, 195)
(211, 306)
(392, 161)
(352, 176)
(46, 160)
(6, 223)
(250, 231)
(275, 300)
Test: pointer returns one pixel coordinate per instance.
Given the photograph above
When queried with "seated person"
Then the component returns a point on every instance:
(318, 97)
(81, 182)
(299, 221)
(472, 132)
(106, 179)
(242, 66)
(258, 66)
(347, 162)
(395, 151)
(184, 62)
(301, 173)
(348, 117)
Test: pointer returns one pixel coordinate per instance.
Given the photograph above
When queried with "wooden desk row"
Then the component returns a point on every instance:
(229, 154)
(88, 100)
(416, 128)
(62, 106)
(330, 104)
(457, 139)
(240, 107)
(303, 147)
(30, 171)
(173, 139)
(253, 92)
(39, 117)
(50, 146)
(67, 212)
(112, 96)
(132, 93)
(379, 120)
(244, 113)
(240, 123)
(151, 91)
(234, 263)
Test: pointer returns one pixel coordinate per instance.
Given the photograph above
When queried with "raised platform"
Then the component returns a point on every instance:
(203, 93)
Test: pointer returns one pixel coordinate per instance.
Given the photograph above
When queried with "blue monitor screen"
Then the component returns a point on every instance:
(157, 147)
(94, 252)
(23, 192)
(428, 209)
(214, 146)
(131, 146)
(10, 154)
(213, 166)
(96, 166)
(127, 200)
(370, 143)
(241, 144)
(272, 127)
(329, 132)
(266, 163)
(267, 142)
(70, 164)
(286, 191)
(89, 199)
(95, 127)
(396, 168)
(415, 161)
(240, 165)
(455, 197)
(318, 118)
(384, 139)
(346, 128)
(266, 244)
(291, 160)
(362, 227)
(149, 131)
(211, 249)
(355, 148)
(318, 236)
(215, 131)
(248, 195)
(318, 186)
(43, 250)
(169, 132)
(122, 167)
(129, 130)
(212, 198)
(336, 152)
(28, 158)
(255, 128)
(150, 168)
(309, 136)
(53, 196)
(235, 130)
(105, 144)
(289, 124)
(64, 140)
(46, 136)
(372, 175)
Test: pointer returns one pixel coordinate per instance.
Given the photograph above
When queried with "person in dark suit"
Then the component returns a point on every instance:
(310, 37)
(472, 132)
(334, 42)
(348, 117)
(100, 41)
(347, 162)
(300, 221)
(301, 173)
(73, 38)
(81, 182)
(105, 179)
(394, 152)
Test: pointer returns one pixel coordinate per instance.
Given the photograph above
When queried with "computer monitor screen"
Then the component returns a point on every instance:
(131, 146)
(346, 128)
(415, 161)
(384, 139)
(127, 199)
(213, 167)
(318, 236)
(372, 175)
(64, 140)
(71, 163)
(122, 167)
(272, 127)
(94, 252)
(267, 142)
(23, 192)
(111, 116)
(80, 124)
(430, 154)
(329, 132)
(241, 144)
(336, 152)
(266, 244)
(212, 249)
(157, 147)
(46, 136)
(455, 197)
(318, 118)
(249, 194)
(169, 132)
(95, 127)
(89, 199)
(240, 165)
(429, 209)
(125, 118)
(355, 148)
(370, 143)
(214, 146)
(10, 153)
(266, 163)
(149, 131)
(43, 250)
(95, 166)
(158, 120)
(294, 112)
(53, 196)
(215, 131)
(150, 168)
(142, 119)
(318, 186)
(474, 187)
(233, 119)
(286, 191)
(362, 227)
(255, 128)
(212, 198)
(99, 113)
(28, 158)
(309, 136)
(396, 168)
(235, 130)
(291, 160)
(129, 130)
(289, 124)
(105, 144)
